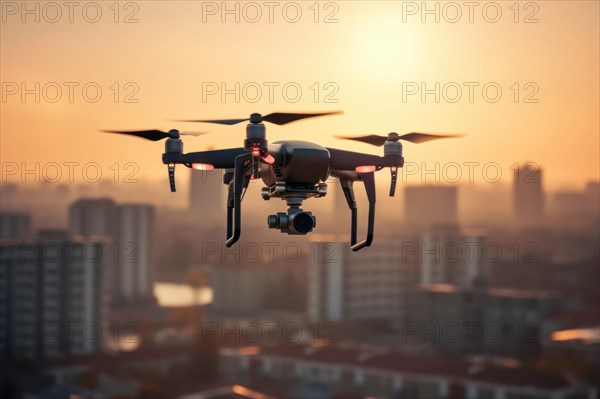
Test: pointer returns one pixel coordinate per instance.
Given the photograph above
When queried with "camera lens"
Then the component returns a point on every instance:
(272, 220)
(303, 222)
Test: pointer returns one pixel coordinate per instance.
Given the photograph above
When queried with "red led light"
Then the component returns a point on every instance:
(366, 168)
(203, 166)
(269, 159)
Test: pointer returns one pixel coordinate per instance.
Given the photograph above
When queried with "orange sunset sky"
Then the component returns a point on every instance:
(371, 53)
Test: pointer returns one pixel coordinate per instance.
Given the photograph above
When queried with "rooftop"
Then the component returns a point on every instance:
(395, 361)
(492, 292)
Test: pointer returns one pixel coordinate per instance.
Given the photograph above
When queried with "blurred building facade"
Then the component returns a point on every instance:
(128, 230)
(484, 320)
(14, 225)
(250, 288)
(578, 208)
(364, 285)
(52, 297)
(449, 257)
(135, 274)
(425, 206)
(207, 196)
(528, 195)
(93, 218)
(240, 288)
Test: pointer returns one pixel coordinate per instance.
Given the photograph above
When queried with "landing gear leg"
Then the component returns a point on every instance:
(348, 188)
(236, 188)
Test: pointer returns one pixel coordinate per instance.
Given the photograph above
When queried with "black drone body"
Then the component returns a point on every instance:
(292, 170)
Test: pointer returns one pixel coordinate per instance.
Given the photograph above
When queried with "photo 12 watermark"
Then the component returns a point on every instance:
(470, 332)
(270, 332)
(454, 12)
(22, 254)
(467, 250)
(70, 92)
(24, 333)
(489, 92)
(253, 12)
(55, 12)
(455, 250)
(252, 252)
(468, 172)
(272, 92)
(69, 172)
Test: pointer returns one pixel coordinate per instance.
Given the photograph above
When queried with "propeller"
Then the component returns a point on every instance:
(411, 137)
(278, 118)
(395, 149)
(155, 135)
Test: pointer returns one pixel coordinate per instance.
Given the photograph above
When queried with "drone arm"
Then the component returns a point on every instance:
(219, 159)
(344, 162)
(349, 160)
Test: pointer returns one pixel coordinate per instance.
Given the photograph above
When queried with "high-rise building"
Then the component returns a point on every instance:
(576, 208)
(52, 297)
(14, 225)
(207, 196)
(128, 229)
(425, 206)
(8, 195)
(511, 313)
(592, 191)
(528, 195)
(449, 257)
(136, 275)
(93, 218)
(374, 284)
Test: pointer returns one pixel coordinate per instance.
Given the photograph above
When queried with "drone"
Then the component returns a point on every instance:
(291, 170)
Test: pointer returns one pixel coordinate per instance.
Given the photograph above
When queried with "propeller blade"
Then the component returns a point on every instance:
(370, 139)
(283, 118)
(217, 121)
(153, 135)
(424, 137)
(278, 118)
(411, 137)
(195, 134)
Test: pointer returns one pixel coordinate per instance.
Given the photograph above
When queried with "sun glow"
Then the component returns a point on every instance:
(387, 50)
